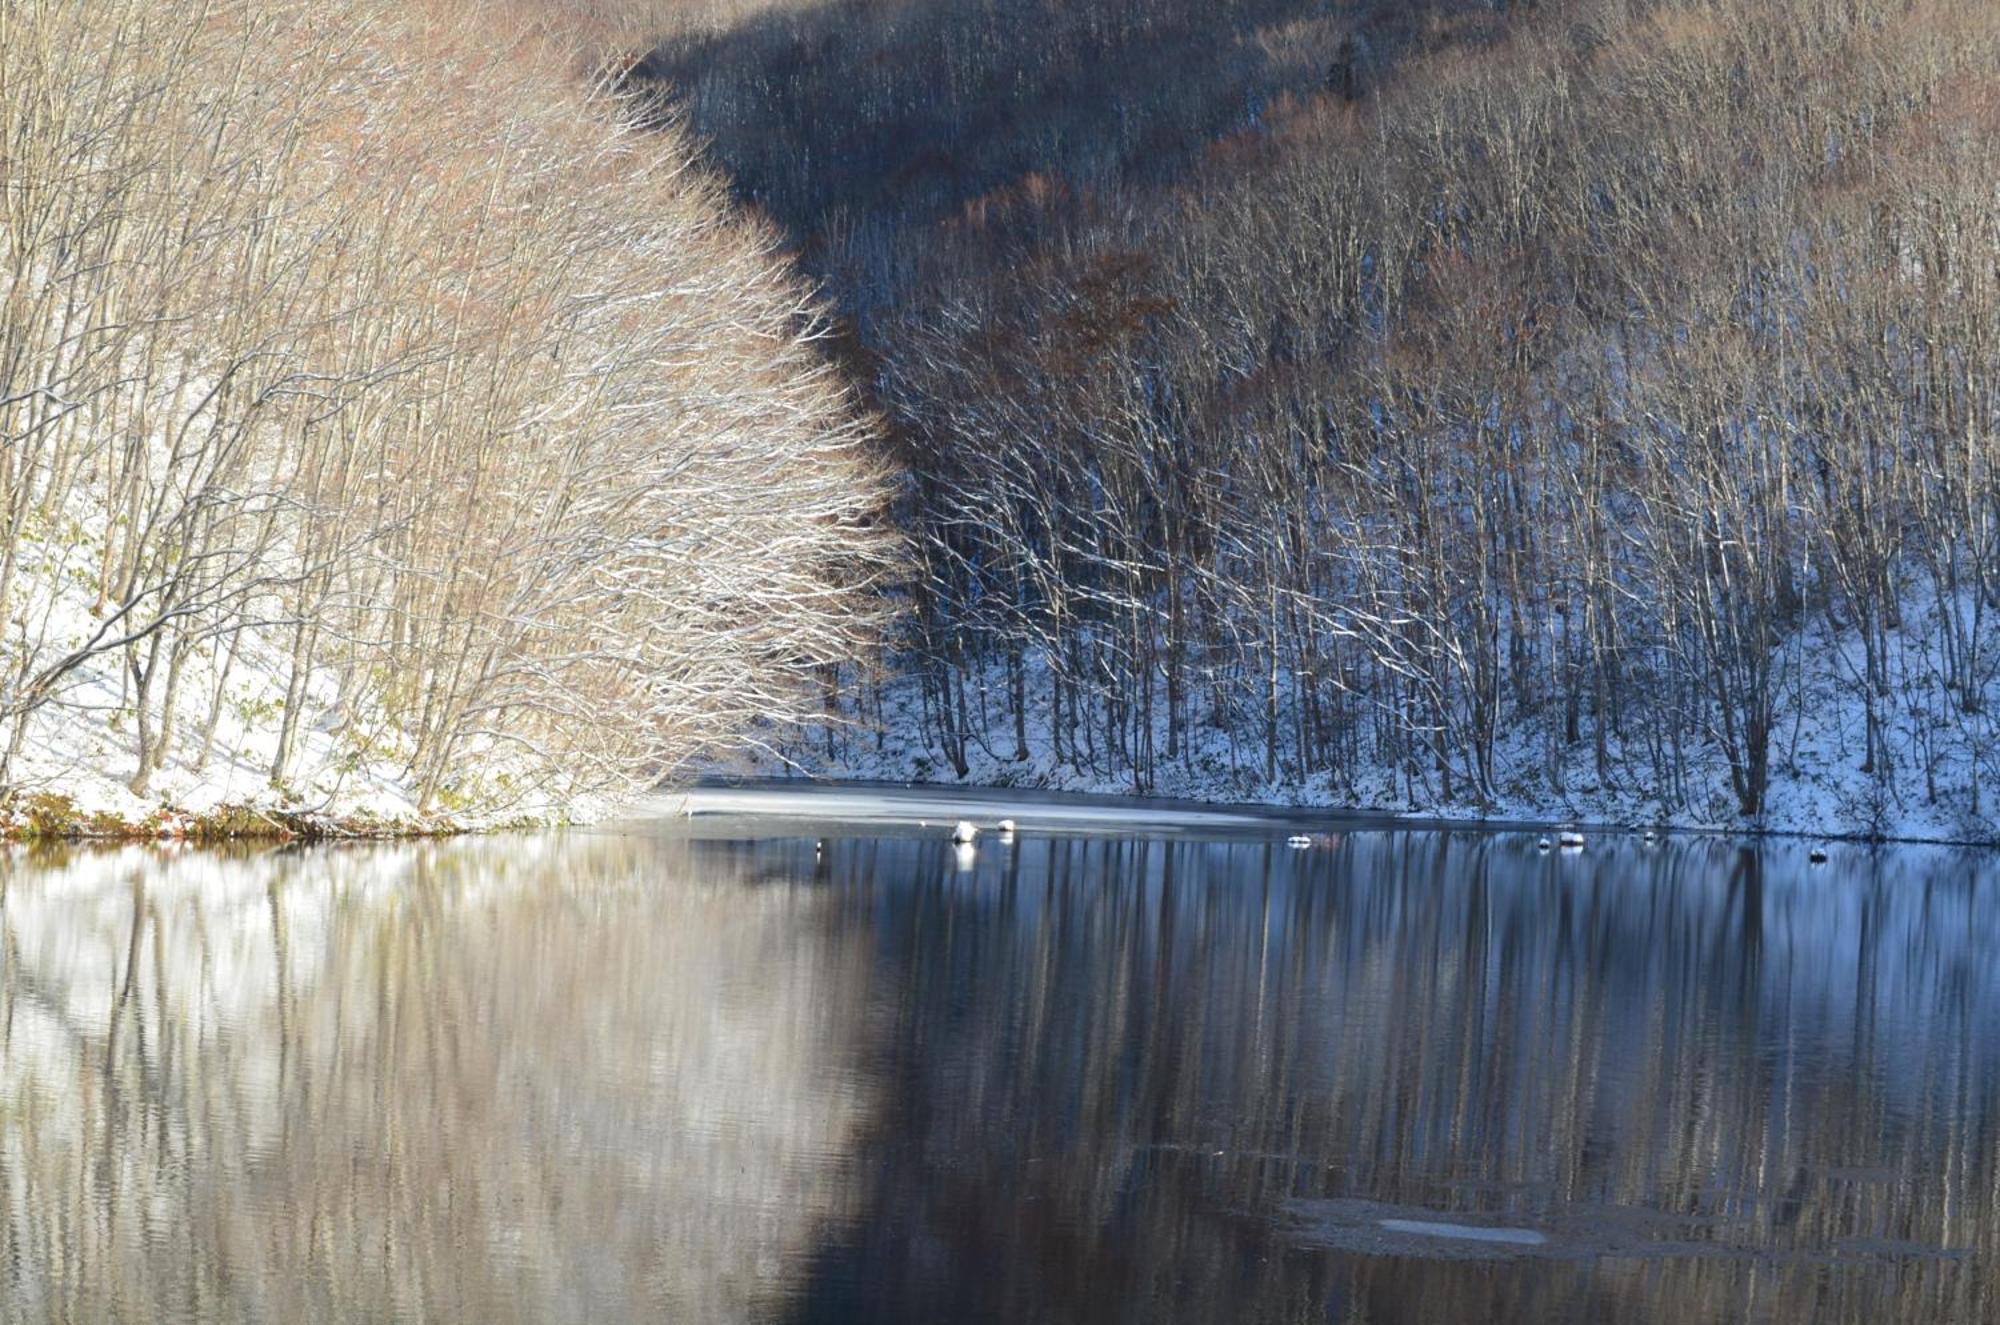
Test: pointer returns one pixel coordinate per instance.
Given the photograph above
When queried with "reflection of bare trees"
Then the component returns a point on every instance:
(1126, 1063)
(621, 1078)
(483, 1082)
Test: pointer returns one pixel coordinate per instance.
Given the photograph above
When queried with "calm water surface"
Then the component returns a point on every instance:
(735, 1074)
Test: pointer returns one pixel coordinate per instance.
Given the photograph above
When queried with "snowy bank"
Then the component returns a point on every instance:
(346, 770)
(1931, 782)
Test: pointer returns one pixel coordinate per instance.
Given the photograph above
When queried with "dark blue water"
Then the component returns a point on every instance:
(640, 1075)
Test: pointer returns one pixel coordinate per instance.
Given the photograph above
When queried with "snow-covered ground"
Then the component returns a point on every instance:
(1942, 783)
(346, 763)
(81, 748)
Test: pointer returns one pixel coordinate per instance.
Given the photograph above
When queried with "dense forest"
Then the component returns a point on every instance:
(1561, 404)
(1550, 405)
(388, 410)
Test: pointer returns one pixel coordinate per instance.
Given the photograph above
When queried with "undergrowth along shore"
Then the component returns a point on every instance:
(52, 817)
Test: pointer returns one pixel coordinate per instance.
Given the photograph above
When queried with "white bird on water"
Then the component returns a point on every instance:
(1005, 828)
(964, 833)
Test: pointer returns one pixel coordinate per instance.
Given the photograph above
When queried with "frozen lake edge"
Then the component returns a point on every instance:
(911, 805)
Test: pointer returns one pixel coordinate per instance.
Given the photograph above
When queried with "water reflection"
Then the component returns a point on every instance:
(626, 1076)
(476, 1082)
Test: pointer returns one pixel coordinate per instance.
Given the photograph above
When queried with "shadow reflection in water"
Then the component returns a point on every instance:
(625, 1076)
(1128, 1078)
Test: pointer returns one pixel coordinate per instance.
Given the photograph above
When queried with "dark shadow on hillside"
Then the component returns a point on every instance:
(912, 108)
(903, 111)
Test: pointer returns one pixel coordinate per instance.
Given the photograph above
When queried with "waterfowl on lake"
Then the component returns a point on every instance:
(1817, 855)
(964, 833)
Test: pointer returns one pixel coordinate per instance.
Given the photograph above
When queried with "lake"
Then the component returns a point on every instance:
(1125, 1067)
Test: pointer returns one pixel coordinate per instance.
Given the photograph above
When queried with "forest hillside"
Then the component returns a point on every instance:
(486, 407)
(1575, 407)
(392, 425)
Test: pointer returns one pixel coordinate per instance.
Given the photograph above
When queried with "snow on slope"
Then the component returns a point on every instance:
(344, 765)
(1942, 783)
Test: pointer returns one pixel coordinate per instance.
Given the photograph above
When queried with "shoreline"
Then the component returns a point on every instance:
(51, 817)
(1271, 813)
